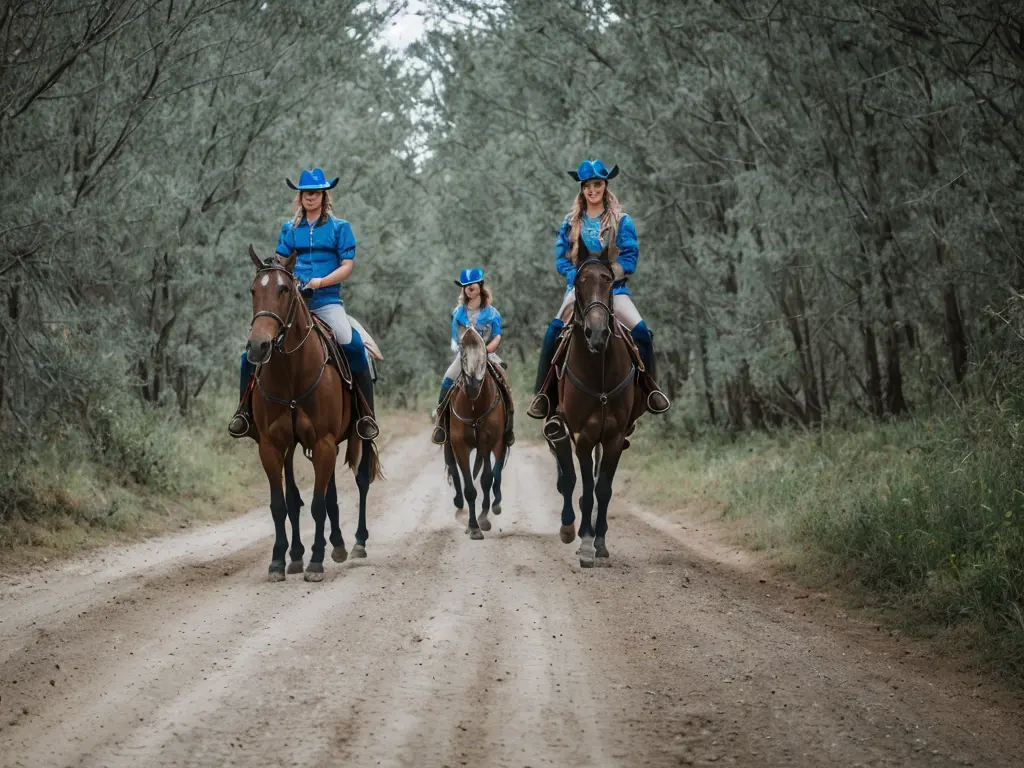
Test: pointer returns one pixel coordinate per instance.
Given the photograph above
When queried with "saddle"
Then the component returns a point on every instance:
(335, 356)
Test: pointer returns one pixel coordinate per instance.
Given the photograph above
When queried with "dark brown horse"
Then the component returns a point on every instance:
(300, 399)
(598, 399)
(477, 422)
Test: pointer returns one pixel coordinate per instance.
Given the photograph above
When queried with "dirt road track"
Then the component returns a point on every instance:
(438, 650)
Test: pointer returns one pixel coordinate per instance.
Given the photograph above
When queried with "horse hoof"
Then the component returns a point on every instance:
(567, 533)
(485, 524)
(476, 534)
(600, 549)
(276, 572)
(295, 566)
(340, 554)
(496, 509)
(313, 576)
(587, 553)
(358, 552)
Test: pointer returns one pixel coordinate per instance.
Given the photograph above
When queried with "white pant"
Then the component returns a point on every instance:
(456, 367)
(622, 305)
(335, 316)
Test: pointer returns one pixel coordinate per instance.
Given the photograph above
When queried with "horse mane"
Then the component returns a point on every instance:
(474, 350)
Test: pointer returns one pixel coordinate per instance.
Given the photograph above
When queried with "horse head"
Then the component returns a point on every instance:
(473, 358)
(593, 285)
(275, 300)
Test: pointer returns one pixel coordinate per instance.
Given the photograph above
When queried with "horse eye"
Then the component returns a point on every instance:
(281, 289)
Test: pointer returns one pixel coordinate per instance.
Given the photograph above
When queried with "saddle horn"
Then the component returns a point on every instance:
(255, 259)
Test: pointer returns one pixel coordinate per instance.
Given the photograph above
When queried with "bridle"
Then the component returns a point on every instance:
(579, 311)
(278, 342)
(293, 310)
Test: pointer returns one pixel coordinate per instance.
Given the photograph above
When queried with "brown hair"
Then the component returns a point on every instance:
(485, 295)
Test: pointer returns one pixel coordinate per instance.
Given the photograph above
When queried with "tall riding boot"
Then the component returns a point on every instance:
(657, 401)
(366, 424)
(242, 423)
(540, 407)
(440, 435)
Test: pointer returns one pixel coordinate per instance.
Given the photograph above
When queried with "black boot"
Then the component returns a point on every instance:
(366, 425)
(540, 407)
(657, 401)
(440, 435)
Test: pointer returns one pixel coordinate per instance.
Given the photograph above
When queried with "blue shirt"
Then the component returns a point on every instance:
(626, 240)
(321, 250)
(488, 323)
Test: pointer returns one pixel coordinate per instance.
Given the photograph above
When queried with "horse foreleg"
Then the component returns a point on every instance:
(363, 484)
(486, 478)
(324, 454)
(566, 485)
(338, 554)
(452, 468)
(606, 473)
(462, 459)
(273, 465)
(293, 500)
(585, 454)
(499, 459)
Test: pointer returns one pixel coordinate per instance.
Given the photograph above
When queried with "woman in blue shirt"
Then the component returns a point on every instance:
(326, 251)
(598, 218)
(474, 309)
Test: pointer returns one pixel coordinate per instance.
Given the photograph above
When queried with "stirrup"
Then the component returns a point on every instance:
(367, 429)
(651, 394)
(438, 436)
(245, 420)
(554, 429)
(541, 398)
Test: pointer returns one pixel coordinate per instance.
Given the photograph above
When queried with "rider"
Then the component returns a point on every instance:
(326, 250)
(474, 309)
(598, 217)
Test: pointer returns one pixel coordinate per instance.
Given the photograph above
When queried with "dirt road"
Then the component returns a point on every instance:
(438, 650)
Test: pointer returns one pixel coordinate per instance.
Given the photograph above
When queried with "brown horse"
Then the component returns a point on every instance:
(478, 422)
(299, 399)
(599, 398)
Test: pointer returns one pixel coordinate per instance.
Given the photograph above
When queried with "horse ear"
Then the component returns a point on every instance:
(462, 331)
(582, 252)
(255, 259)
(288, 263)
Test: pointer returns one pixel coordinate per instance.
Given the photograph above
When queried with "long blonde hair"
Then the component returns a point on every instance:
(300, 213)
(609, 220)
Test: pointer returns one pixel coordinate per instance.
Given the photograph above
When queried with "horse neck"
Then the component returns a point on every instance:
(304, 350)
(613, 360)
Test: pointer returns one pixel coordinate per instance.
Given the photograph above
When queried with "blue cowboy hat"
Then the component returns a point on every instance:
(594, 169)
(313, 179)
(470, 276)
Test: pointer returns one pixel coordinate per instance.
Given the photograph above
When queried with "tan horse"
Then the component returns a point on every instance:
(301, 399)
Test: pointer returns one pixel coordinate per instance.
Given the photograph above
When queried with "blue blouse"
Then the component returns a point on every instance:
(488, 323)
(626, 240)
(321, 250)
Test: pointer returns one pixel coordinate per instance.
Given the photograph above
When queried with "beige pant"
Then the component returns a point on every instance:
(622, 305)
(456, 367)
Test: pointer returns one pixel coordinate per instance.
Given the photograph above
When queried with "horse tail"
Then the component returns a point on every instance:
(376, 468)
(353, 453)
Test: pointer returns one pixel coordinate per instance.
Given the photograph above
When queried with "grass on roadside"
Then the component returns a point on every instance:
(922, 518)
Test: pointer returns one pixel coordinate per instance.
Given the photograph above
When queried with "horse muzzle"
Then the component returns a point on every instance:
(258, 351)
(472, 387)
(596, 336)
